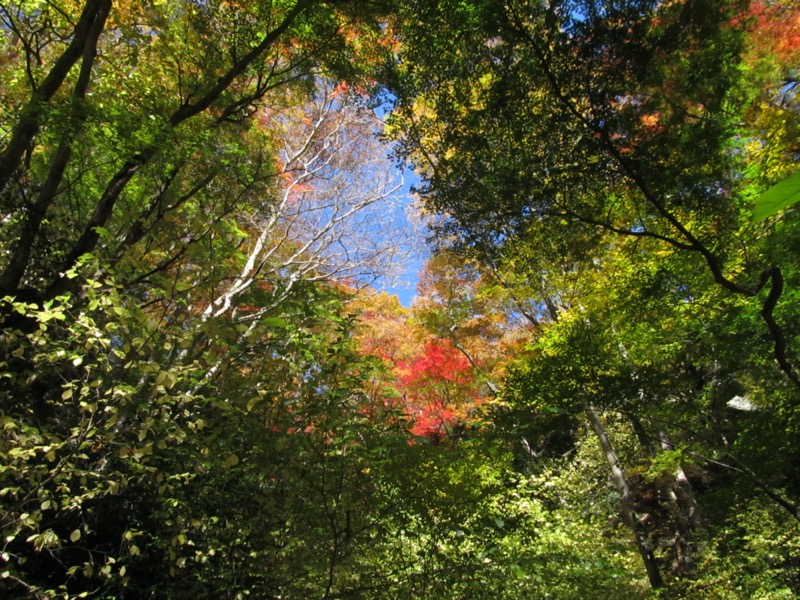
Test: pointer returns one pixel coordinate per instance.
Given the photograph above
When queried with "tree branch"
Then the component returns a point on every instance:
(35, 215)
(31, 115)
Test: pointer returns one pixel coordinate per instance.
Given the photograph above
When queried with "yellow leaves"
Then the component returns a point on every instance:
(649, 121)
(165, 379)
(46, 540)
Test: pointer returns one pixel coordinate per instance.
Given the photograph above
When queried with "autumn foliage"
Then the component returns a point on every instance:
(437, 388)
(425, 376)
(776, 30)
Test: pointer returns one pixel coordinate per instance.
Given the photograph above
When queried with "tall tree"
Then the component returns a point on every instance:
(183, 185)
(617, 116)
(599, 158)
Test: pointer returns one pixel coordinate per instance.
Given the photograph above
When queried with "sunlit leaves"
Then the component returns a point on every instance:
(783, 194)
(598, 159)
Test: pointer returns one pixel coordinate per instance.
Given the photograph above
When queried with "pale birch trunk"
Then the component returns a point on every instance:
(629, 513)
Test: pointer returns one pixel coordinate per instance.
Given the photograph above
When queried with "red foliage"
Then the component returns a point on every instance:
(433, 425)
(776, 30)
(436, 386)
(439, 362)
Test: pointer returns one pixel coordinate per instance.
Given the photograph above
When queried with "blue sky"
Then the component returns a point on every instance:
(406, 288)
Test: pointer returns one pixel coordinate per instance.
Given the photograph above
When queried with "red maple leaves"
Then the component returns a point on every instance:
(437, 389)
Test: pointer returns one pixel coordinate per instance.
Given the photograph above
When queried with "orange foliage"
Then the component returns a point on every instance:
(776, 30)
(425, 376)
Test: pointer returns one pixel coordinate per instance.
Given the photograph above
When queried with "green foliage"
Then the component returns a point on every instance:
(599, 159)
(755, 554)
(126, 469)
(80, 438)
(782, 195)
(186, 408)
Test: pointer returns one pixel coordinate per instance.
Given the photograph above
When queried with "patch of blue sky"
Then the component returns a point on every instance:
(403, 279)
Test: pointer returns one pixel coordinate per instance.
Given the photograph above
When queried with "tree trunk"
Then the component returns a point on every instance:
(629, 513)
(683, 505)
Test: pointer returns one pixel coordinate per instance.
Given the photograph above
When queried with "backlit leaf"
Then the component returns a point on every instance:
(781, 195)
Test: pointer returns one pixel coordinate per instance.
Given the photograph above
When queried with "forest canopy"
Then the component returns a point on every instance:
(596, 392)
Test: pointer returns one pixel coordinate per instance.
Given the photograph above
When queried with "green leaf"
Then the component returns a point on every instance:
(75, 535)
(231, 461)
(781, 195)
(273, 322)
(103, 233)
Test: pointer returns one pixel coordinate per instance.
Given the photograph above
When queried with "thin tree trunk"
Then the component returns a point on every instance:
(680, 496)
(31, 116)
(629, 513)
(30, 230)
